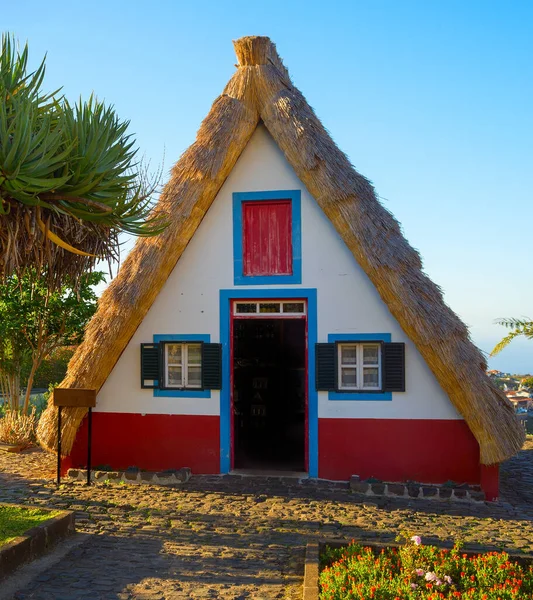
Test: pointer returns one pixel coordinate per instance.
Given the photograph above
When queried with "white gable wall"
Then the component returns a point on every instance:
(347, 302)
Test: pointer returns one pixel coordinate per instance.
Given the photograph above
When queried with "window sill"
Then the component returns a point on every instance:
(295, 278)
(364, 396)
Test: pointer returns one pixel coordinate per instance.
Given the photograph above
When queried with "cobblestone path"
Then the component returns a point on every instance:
(232, 537)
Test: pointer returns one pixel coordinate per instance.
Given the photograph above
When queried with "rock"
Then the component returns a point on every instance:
(396, 489)
(360, 487)
(378, 488)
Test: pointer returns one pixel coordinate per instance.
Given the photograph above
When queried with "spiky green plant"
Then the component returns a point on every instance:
(69, 176)
(520, 327)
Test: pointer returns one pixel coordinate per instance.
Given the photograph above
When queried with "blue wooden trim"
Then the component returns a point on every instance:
(174, 337)
(310, 294)
(360, 337)
(178, 337)
(366, 396)
(296, 206)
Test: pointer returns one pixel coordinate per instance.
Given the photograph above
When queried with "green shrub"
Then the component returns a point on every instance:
(52, 369)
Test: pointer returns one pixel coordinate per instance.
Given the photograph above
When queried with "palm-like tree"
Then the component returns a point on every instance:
(519, 327)
(69, 177)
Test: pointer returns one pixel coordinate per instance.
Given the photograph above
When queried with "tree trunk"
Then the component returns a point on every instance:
(14, 391)
(34, 367)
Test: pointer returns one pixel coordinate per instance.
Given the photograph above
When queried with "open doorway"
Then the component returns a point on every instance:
(269, 393)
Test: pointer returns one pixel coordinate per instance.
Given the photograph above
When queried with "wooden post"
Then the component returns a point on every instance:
(89, 444)
(74, 398)
(58, 446)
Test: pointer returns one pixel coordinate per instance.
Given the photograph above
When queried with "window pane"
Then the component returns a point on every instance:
(348, 355)
(348, 377)
(370, 377)
(272, 307)
(194, 377)
(250, 307)
(293, 307)
(370, 355)
(174, 353)
(174, 377)
(194, 356)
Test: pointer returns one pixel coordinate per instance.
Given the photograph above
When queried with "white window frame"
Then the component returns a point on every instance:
(185, 385)
(283, 308)
(359, 366)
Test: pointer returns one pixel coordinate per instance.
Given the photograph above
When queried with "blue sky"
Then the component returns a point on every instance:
(430, 100)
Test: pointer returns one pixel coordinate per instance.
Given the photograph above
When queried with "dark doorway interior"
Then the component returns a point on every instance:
(269, 394)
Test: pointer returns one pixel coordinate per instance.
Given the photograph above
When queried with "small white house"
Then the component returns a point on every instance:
(282, 322)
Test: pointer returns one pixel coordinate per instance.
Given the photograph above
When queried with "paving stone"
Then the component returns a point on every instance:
(236, 537)
(478, 496)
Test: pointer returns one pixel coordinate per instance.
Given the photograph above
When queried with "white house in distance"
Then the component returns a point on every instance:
(282, 322)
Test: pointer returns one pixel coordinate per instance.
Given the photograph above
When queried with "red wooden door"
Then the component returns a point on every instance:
(267, 237)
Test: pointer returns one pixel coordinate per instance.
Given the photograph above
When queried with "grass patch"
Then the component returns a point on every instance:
(14, 521)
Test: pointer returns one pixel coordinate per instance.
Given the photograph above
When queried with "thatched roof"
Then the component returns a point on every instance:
(261, 90)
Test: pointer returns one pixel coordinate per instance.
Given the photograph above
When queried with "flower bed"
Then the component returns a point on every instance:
(417, 571)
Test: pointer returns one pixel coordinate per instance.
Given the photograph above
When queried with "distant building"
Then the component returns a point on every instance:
(494, 373)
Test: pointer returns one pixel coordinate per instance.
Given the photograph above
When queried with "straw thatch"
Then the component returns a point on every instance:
(261, 89)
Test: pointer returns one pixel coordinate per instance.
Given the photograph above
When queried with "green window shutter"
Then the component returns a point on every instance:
(326, 367)
(393, 367)
(212, 366)
(149, 366)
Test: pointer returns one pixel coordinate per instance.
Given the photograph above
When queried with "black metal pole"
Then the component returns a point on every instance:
(58, 445)
(89, 444)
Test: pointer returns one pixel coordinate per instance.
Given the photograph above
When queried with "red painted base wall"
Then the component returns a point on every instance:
(429, 451)
(151, 442)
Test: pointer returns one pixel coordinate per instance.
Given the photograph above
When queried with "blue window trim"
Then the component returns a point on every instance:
(238, 277)
(171, 337)
(226, 296)
(359, 337)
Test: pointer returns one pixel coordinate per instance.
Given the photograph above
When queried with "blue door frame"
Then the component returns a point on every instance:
(226, 296)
